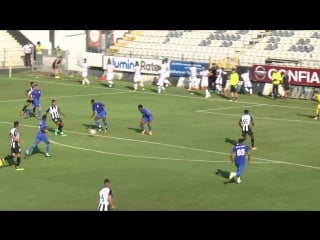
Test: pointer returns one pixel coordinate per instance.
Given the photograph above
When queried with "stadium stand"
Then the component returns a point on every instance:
(11, 51)
(230, 47)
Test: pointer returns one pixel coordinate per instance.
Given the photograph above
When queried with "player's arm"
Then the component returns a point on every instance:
(110, 200)
(46, 113)
(248, 156)
(252, 122)
(240, 123)
(59, 110)
(231, 156)
(14, 138)
(93, 114)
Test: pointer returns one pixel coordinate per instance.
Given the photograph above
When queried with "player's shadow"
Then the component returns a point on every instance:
(225, 175)
(155, 90)
(231, 141)
(103, 83)
(305, 115)
(77, 81)
(130, 88)
(36, 150)
(195, 92)
(223, 96)
(135, 129)
(89, 126)
(222, 173)
(10, 162)
(52, 130)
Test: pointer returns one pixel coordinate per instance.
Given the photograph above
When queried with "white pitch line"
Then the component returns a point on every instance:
(180, 159)
(268, 118)
(193, 97)
(167, 145)
(227, 108)
(136, 156)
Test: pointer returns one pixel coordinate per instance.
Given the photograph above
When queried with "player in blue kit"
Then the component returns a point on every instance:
(36, 95)
(41, 136)
(99, 112)
(238, 155)
(147, 118)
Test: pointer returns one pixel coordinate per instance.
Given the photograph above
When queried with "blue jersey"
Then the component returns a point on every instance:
(41, 134)
(36, 94)
(99, 107)
(42, 126)
(146, 114)
(240, 151)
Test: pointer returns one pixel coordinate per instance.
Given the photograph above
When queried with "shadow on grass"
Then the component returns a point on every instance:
(130, 88)
(195, 92)
(135, 129)
(305, 115)
(225, 175)
(231, 141)
(223, 96)
(153, 90)
(36, 150)
(77, 81)
(90, 126)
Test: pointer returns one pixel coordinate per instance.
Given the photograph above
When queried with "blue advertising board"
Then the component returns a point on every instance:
(180, 68)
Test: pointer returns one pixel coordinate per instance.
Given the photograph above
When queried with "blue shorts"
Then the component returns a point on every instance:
(101, 115)
(41, 137)
(36, 103)
(145, 120)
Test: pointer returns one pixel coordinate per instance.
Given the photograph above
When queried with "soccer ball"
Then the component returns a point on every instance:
(92, 131)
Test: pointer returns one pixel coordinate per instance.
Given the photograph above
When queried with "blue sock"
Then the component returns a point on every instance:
(47, 147)
(30, 149)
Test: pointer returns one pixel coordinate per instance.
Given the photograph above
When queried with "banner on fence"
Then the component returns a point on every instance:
(297, 76)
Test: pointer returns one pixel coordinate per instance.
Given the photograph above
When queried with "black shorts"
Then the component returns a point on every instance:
(16, 149)
(249, 132)
(233, 88)
(285, 87)
(56, 120)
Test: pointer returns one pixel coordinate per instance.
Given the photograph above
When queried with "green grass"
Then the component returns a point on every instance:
(183, 166)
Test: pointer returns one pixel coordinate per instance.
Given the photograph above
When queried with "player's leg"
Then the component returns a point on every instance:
(24, 107)
(240, 168)
(141, 85)
(31, 147)
(149, 126)
(17, 153)
(105, 122)
(244, 135)
(47, 148)
(110, 79)
(250, 133)
(317, 112)
(142, 129)
(97, 123)
(6, 158)
(135, 86)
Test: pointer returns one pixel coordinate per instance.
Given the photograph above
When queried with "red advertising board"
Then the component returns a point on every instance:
(94, 38)
(297, 76)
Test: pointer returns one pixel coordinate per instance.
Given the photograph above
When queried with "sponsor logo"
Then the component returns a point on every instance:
(259, 72)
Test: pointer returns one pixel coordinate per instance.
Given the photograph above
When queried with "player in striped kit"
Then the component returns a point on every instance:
(15, 146)
(55, 112)
(105, 200)
(246, 124)
(28, 100)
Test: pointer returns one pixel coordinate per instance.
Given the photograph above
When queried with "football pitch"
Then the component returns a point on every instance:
(184, 165)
